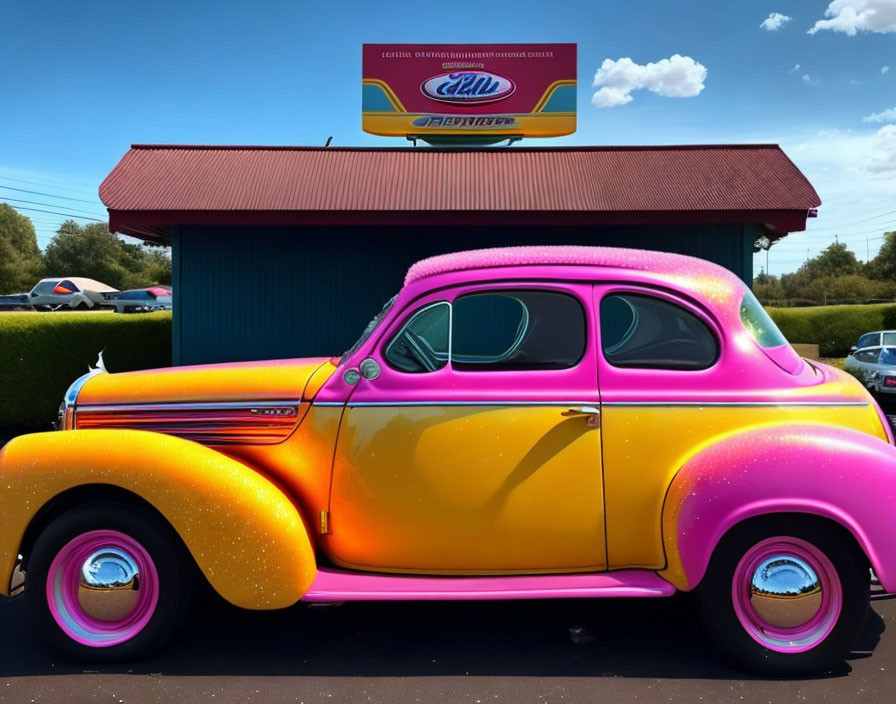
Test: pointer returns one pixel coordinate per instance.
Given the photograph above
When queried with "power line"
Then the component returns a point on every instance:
(844, 231)
(857, 222)
(51, 195)
(53, 212)
(51, 205)
(90, 189)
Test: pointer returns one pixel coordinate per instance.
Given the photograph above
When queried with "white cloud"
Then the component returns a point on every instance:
(795, 68)
(852, 16)
(884, 116)
(774, 21)
(884, 150)
(675, 77)
(809, 81)
(884, 69)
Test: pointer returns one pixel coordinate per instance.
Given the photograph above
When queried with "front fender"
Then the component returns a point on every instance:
(841, 474)
(245, 534)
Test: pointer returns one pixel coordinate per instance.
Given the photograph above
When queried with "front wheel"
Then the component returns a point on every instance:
(108, 583)
(785, 595)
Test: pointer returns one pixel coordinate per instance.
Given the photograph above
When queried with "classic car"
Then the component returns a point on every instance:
(139, 300)
(74, 292)
(518, 423)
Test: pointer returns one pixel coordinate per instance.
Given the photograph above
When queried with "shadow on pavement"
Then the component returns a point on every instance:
(611, 638)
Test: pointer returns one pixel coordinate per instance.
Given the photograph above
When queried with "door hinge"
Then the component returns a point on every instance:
(324, 522)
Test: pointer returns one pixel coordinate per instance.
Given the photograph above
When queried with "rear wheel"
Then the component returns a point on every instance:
(785, 595)
(108, 583)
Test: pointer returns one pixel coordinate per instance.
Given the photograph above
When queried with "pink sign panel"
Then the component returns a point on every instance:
(450, 89)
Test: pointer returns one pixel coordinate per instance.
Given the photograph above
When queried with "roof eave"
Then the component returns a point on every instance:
(155, 225)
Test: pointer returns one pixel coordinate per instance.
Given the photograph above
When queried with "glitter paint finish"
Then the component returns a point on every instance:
(837, 473)
(235, 381)
(245, 535)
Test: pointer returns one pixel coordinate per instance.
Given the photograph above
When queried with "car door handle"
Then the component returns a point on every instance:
(592, 412)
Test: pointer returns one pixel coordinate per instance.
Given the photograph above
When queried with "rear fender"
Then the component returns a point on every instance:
(245, 534)
(840, 474)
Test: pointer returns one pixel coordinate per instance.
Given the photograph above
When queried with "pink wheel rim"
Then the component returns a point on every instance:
(64, 581)
(803, 577)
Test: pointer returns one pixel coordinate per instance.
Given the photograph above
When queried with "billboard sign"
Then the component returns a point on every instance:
(457, 90)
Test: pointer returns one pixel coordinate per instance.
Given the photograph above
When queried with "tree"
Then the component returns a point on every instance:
(92, 251)
(883, 266)
(20, 261)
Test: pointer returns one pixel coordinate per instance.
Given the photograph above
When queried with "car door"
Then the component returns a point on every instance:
(660, 362)
(477, 447)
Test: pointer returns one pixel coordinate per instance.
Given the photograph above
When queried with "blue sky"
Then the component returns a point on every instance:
(82, 81)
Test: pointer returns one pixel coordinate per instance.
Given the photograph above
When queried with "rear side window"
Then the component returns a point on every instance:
(867, 356)
(644, 332)
(516, 331)
(889, 338)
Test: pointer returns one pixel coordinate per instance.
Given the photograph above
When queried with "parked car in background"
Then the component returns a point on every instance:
(875, 339)
(874, 366)
(139, 300)
(520, 423)
(73, 292)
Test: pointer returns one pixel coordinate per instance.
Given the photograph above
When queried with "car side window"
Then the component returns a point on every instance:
(888, 355)
(889, 338)
(868, 340)
(639, 331)
(517, 331)
(421, 345)
(868, 356)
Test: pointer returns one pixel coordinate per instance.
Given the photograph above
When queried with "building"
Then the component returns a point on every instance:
(289, 251)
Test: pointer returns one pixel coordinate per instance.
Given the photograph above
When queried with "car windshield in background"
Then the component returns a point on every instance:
(371, 326)
(758, 322)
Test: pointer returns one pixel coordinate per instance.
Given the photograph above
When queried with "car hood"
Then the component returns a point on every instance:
(287, 379)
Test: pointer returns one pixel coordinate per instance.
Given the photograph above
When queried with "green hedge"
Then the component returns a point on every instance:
(42, 353)
(833, 328)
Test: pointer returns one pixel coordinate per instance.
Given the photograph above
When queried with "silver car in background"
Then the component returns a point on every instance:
(72, 292)
(873, 361)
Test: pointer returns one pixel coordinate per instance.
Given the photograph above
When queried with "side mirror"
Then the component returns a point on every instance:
(852, 350)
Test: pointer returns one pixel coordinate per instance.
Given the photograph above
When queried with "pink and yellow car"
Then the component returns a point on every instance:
(521, 423)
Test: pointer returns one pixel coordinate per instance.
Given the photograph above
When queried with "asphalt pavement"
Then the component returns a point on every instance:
(539, 652)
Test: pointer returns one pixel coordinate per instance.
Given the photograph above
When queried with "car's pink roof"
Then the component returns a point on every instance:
(662, 263)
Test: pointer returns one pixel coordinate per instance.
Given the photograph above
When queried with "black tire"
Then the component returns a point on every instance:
(716, 603)
(174, 568)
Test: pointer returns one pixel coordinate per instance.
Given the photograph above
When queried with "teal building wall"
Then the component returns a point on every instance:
(244, 293)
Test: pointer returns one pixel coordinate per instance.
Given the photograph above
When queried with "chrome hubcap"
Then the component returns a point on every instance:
(785, 592)
(109, 585)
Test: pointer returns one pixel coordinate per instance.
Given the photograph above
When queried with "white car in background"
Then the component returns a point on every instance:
(873, 361)
(72, 292)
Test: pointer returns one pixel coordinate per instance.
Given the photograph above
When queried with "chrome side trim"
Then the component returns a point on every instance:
(645, 404)
(470, 403)
(716, 404)
(189, 406)
(70, 400)
(17, 581)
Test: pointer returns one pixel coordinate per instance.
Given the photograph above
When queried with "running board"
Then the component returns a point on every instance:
(341, 585)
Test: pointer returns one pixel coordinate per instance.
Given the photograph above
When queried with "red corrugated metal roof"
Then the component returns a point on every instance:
(156, 186)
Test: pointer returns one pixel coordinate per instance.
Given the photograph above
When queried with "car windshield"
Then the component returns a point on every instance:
(371, 326)
(758, 323)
